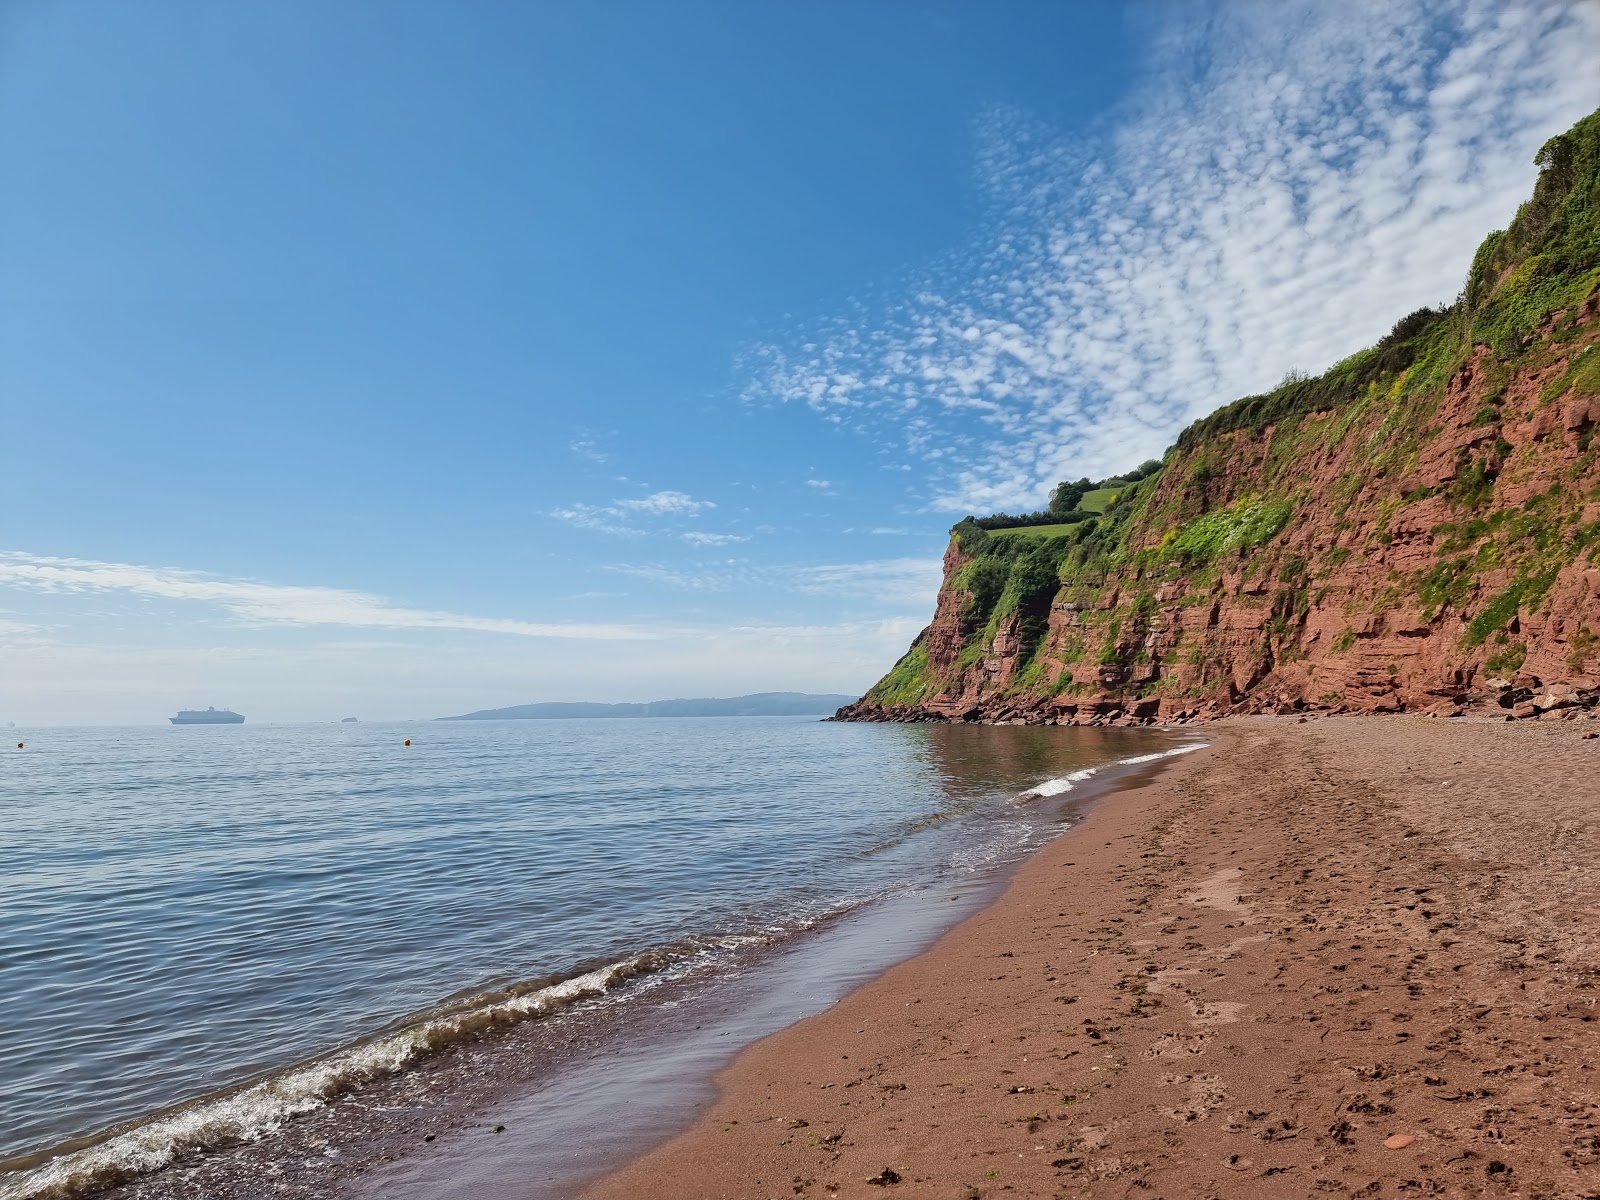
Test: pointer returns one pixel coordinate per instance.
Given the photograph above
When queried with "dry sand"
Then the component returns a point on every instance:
(1241, 981)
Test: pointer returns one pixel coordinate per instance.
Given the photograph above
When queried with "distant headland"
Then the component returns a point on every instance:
(760, 704)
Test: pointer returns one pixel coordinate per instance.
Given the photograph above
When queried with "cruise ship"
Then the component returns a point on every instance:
(207, 716)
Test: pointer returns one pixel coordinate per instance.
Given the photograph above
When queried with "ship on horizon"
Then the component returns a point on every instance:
(207, 716)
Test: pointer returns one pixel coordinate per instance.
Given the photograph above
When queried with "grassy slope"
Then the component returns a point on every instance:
(1034, 531)
(1099, 500)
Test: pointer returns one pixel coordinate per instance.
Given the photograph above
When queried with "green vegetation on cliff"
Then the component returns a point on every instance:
(1069, 599)
(908, 682)
(1245, 524)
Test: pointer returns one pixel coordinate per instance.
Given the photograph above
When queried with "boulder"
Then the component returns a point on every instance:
(1582, 412)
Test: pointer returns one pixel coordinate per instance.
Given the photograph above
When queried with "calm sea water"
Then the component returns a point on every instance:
(184, 909)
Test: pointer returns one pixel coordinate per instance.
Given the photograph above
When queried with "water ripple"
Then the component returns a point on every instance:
(185, 908)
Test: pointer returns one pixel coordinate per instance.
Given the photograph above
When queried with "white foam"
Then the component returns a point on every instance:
(1065, 783)
(1144, 758)
(1054, 787)
(261, 1108)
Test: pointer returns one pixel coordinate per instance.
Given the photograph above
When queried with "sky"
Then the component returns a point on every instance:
(398, 359)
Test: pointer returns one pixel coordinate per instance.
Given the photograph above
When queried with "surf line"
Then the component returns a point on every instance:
(1065, 783)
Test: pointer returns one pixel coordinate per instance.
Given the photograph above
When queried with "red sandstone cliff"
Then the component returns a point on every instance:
(1418, 528)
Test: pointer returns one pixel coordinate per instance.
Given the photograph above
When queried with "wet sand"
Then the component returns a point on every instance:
(1353, 956)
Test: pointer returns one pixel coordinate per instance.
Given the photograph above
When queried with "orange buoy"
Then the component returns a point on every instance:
(408, 742)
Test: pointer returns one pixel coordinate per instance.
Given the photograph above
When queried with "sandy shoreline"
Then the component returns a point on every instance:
(542, 1106)
(1238, 981)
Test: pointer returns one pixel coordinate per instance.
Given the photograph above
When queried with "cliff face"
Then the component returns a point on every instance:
(1419, 527)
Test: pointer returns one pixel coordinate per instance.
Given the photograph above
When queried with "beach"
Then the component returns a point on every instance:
(1338, 956)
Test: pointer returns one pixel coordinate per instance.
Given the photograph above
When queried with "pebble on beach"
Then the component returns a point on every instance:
(1398, 1141)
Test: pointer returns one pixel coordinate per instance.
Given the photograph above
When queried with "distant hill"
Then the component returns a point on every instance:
(762, 704)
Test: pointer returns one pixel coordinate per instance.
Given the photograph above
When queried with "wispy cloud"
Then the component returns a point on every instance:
(715, 577)
(22, 633)
(696, 538)
(617, 517)
(896, 583)
(601, 518)
(666, 504)
(271, 604)
(904, 581)
(590, 446)
(821, 485)
(1303, 175)
(889, 635)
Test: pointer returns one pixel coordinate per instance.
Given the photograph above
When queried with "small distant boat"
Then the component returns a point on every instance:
(207, 716)
(348, 721)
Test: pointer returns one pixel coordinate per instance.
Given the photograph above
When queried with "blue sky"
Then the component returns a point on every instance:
(399, 359)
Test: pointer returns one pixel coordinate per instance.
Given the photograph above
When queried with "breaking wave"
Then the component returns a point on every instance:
(1065, 783)
(257, 1109)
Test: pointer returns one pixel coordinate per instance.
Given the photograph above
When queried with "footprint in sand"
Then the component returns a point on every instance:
(1178, 1045)
(1206, 1094)
(1220, 891)
(1093, 1137)
(1215, 1012)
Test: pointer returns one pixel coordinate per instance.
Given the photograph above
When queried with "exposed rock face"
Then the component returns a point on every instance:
(1418, 529)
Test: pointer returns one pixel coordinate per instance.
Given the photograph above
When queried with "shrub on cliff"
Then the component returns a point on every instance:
(1067, 495)
(1249, 522)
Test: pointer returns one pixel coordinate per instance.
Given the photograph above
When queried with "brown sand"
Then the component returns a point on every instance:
(1240, 981)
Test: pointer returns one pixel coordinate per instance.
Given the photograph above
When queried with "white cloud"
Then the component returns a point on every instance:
(271, 604)
(1300, 176)
(897, 583)
(614, 518)
(913, 582)
(719, 577)
(600, 518)
(666, 504)
(695, 538)
(21, 633)
(880, 642)
(590, 446)
(819, 484)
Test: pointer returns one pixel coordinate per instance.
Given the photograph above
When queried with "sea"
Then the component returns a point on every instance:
(214, 936)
